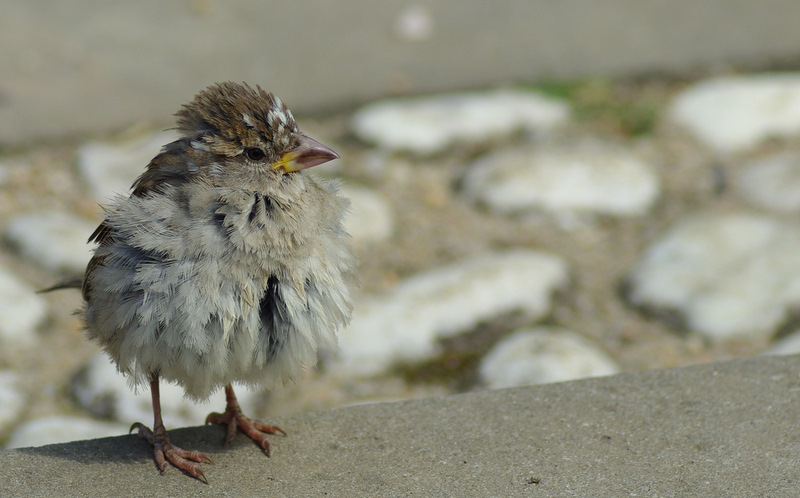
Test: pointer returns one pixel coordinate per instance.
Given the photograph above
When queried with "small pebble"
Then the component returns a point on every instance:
(21, 312)
(786, 346)
(414, 23)
(110, 169)
(52, 430)
(430, 125)
(729, 275)
(405, 324)
(12, 400)
(543, 355)
(772, 183)
(52, 239)
(734, 113)
(589, 177)
(370, 218)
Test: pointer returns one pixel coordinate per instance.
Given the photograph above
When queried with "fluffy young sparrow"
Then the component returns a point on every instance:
(227, 263)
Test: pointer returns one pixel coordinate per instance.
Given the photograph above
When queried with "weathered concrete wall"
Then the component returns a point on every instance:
(72, 68)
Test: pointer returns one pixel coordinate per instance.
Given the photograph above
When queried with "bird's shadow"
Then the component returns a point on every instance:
(132, 449)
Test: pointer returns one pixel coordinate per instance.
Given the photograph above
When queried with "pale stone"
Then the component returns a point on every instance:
(370, 218)
(543, 355)
(52, 430)
(772, 182)
(405, 324)
(786, 346)
(729, 275)
(12, 400)
(590, 177)
(430, 125)
(735, 113)
(21, 312)
(110, 169)
(55, 240)
(414, 23)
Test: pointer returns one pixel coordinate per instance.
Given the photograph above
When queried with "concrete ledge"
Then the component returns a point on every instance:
(725, 429)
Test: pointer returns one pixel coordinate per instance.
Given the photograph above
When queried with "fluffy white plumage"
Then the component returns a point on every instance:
(182, 290)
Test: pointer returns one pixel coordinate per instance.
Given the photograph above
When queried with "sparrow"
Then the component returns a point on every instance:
(227, 263)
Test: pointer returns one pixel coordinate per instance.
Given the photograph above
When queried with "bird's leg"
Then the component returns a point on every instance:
(234, 417)
(163, 450)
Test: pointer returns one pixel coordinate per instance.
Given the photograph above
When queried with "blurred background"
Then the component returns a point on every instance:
(542, 191)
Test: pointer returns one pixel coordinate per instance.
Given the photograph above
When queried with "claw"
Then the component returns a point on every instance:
(269, 429)
(164, 451)
(236, 420)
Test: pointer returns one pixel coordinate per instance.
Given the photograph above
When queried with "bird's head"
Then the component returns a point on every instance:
(248, 131)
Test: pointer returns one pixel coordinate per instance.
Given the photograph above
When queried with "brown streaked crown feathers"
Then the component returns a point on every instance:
(237, 116)
(225, 121)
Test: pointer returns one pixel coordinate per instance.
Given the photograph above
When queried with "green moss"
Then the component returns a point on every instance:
(626, 108)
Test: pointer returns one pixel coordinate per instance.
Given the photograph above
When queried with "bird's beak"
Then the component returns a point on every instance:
(308, 153)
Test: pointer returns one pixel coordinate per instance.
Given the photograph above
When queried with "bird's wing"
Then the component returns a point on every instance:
(169, 167)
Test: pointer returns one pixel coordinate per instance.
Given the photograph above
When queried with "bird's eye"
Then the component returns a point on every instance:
(254, 153)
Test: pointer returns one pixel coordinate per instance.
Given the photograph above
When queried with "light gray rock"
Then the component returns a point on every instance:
(370, 218)
(589, 177)
(414, 23)
(12, 400)
(542, 355)
(110, 168)
(729, 275)
(772, 182)
(430, 125)
(734, 113)
(21, 311)
(786, 346)
(52, 430)
(405, 324)
(105, 392)
(55, 240)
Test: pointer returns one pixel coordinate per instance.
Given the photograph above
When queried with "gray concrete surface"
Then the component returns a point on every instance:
(71, 68)
(725, 429)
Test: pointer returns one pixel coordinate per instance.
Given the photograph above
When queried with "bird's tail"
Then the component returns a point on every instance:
(72, 283)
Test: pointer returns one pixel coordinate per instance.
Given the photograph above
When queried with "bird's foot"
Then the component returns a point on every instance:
(164, 451)
(235, 419)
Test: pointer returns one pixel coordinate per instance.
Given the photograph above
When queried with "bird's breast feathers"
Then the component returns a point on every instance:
(249, 285)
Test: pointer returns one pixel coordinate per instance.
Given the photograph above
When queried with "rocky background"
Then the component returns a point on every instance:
(528, 232)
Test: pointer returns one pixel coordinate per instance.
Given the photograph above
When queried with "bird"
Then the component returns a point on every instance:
(228, 262)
